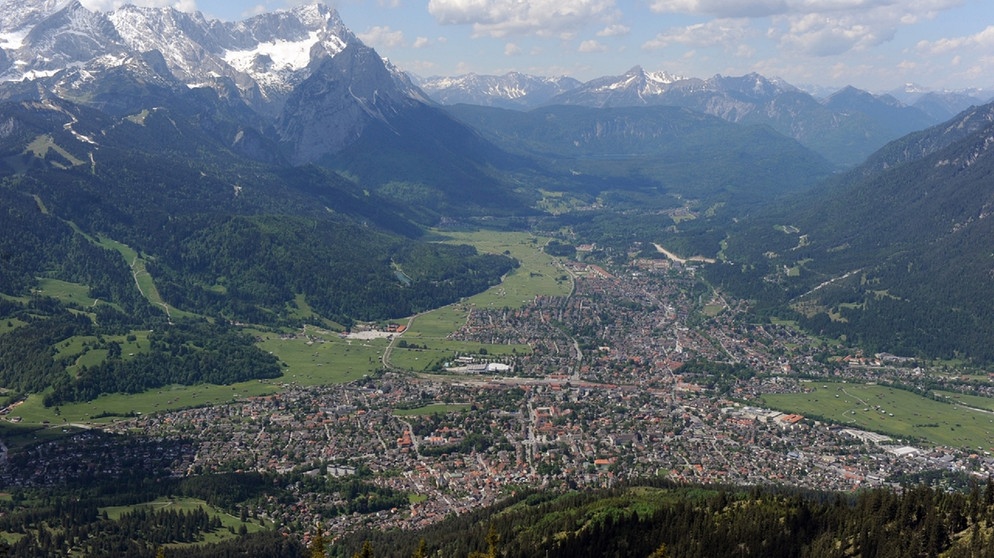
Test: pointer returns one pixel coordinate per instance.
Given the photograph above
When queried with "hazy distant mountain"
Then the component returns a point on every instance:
(945, 105)
(844, 132)
(511, 90)
(678, 151)
(636, 87)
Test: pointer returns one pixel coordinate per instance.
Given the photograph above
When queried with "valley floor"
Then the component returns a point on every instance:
(636, 373)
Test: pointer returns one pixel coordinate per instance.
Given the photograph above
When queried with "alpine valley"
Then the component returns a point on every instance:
(262, 293)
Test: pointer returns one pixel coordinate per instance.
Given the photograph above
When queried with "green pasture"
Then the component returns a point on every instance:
(974, 401)
(190, 505)
(84, 351)
(10, 324)
(538, 275)
(72, 293)
(434, 409)
(892, 411)
(323, 357)
(108, 408)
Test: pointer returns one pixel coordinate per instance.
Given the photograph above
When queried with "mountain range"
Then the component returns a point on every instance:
(845, 127)
(245, 160)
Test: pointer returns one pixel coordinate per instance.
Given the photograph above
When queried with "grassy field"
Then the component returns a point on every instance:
(83, 349)
(428, 410)
(143, 278)
(189, 505)
(115, 406)
(323, 357)
(72, 293)
(539, 274)
(895, 412)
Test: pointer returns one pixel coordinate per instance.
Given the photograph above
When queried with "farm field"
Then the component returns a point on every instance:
(539, 274)
(898, 413)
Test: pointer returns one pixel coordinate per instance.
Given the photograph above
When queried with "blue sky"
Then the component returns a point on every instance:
(872, 44)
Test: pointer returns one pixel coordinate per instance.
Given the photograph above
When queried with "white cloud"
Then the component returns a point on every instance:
(108, 5)
(816, 27)
(382, 37)
(616, 30)
(421, 42)
(718, 32)
(982, 40)
(591, 46)
(511, 49)
(722, 8)
(818, 35)
(499, 18)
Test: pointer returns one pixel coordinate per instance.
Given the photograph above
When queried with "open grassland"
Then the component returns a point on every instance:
(10, 325)
(72, 293)
(108, 408)
(974, 401)
(321, 357)
(189, 505)
(85, 349)
(892, 411)
(538, 275)
(428, 410)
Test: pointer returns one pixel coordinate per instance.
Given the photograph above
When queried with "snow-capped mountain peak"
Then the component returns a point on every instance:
(511, 90)
(265, 56)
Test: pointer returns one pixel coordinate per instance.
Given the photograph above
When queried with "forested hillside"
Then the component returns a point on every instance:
(895, 255)
(157, 227)
(657, 520)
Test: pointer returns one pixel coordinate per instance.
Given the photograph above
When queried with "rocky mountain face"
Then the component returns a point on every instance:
(264, 71)
(512, 90)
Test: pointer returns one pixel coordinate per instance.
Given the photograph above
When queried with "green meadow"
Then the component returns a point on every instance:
(322, 357)
(898, 413)
(189, 505)
(434, 409)
(538, 275)
(312, 356)
(108, 408)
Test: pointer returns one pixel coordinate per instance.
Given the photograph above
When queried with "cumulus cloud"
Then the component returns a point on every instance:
(499, 18)
(382, 37)
(983, 40)
(818, 35)
(511, 49)
(616, 30)
(816, 27)
(717, 32)
(421, 42)
(591, 46)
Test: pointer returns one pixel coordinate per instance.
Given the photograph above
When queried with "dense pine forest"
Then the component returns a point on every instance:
(657, 519)
(645, 519)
